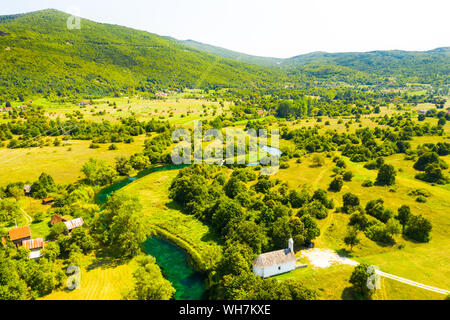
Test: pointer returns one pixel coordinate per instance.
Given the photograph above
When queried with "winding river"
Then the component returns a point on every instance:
(173, 261)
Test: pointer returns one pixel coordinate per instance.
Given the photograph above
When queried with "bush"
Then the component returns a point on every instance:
(421, 199)
(284, 165)
(336, 184)
(419, 228)
(348, 176)
(367, 183)
(386, 175)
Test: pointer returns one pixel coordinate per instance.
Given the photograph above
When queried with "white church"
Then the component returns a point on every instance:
(275, 262)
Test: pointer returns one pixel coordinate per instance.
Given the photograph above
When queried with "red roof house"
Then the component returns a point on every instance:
(18, 235)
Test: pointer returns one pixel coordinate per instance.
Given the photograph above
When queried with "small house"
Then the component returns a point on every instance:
(35, 246)
(18, 235)
(48, 200)
(275, 262)
(422, 111)
(57, 219)
(27, 189)
(75, 223)
(85, 103)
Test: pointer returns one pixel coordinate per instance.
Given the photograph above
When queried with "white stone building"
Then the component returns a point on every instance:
(276, 262)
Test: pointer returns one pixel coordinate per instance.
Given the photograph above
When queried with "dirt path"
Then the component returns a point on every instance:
(324, 258)
(27, 217)
(412, 283)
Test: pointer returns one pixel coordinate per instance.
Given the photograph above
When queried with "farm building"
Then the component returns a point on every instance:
(422, 111)
(18, 235)
(35, 246)
(7, 109)
(57, 219)
(75, 223)
(276, 262)
(48, 200)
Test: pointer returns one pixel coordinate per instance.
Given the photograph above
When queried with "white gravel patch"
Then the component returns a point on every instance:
(324, 258)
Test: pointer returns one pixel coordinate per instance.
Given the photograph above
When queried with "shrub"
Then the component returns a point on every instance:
(348, 176)
(367, 183)
(421, 199)
(386, 175)
(336, 184)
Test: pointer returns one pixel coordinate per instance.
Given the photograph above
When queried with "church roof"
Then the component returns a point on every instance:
(274, 258)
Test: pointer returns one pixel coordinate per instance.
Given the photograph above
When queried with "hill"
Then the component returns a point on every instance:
(413, 66)
(230, 54)
(39, 54)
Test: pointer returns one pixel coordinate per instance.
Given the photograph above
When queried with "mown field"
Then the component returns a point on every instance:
(63, 163)
(101, 279)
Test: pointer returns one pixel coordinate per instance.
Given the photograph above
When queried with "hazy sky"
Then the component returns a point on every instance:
(278, 28)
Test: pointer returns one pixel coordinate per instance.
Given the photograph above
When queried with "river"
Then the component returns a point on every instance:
(173, 261)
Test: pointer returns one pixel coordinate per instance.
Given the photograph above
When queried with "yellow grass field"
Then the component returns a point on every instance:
(63, 165)
(101, 280)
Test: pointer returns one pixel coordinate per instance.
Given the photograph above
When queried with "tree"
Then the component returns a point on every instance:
(359, 280)
(404, 214)
(298, 198)
(348, 176)
(419, 228)
(149, 282)
(43, 186)
(98, 172)
(318, 160)
(234, 186)
(139, 162)
(312, 230)
(224, 212)
(428, 158)
(315, 209)
(236, 259)
(12, 287)
(441, 121)
(336, 184)
(351, 239)
(56, 230)
(120, 226)
(386, 175)
(123, 166)
(351, 201)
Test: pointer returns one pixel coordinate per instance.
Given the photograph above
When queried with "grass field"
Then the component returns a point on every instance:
(101, 279)
(162, 212)
(177, 109)
(61, 163)
(427, 263)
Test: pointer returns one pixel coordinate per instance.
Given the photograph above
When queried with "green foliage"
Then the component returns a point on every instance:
(359, 279)
(386, 175)
(120, 226)
(351, 238)
(98, 172)
(149, 282)
(418, 228)
(9, 211)
(336, 184)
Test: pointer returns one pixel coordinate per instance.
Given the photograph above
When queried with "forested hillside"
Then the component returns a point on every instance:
(39, 54)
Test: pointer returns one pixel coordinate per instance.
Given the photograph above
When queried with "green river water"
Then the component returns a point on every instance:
(174, 263)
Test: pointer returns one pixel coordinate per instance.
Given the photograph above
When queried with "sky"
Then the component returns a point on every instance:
(275, 28)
